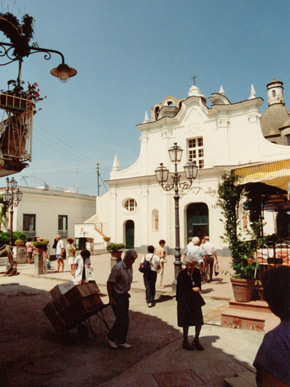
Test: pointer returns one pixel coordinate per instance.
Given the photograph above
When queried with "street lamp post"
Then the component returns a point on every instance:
(12, 197)
(162, 173)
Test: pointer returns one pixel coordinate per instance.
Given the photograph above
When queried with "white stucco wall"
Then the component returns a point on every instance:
(47, 205)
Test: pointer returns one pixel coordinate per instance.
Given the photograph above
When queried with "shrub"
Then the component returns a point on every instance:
(112, 247)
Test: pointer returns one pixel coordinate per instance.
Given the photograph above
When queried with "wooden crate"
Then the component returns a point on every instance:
(55, 319)
(80, 291)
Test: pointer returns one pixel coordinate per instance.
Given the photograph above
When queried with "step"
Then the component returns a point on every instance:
(243, 319)
(256, 306)
(242, 379)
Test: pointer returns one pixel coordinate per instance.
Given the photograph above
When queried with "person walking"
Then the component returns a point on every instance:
(209, 255)
(70, 253)
(59, 253)
(161, 253)
(81, 263)
(150, 276)
(118, 286)
(189, 302)
(29, 248)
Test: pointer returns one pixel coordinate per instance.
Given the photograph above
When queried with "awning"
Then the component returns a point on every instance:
(276, 173)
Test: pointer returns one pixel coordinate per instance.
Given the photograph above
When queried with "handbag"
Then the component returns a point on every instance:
(90, 274)
(146, 265)
(216, 269)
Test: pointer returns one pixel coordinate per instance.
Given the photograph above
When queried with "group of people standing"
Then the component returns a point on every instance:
(205, 253)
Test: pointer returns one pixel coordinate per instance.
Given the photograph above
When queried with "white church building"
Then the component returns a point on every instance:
(217, 135)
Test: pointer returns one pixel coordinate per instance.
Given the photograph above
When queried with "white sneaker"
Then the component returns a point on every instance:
(112, 344)
(125, 345)
(149, 304)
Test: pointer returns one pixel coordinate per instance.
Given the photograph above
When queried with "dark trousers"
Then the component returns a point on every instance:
(119, 330)
(150, 282)
(209, 260)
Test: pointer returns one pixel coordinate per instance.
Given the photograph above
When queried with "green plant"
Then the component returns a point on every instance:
(19, 235)
(106, 238)
(19, 242)
(5, 237)
(41, 243)
(112, 247)
(230, 196)
(19, 34)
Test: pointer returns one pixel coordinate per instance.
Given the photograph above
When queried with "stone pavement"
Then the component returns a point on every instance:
(156, 358)
(219, 288)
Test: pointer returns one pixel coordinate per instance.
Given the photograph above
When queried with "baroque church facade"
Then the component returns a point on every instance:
(217, 135)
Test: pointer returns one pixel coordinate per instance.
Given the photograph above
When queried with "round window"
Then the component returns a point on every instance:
(130, 204)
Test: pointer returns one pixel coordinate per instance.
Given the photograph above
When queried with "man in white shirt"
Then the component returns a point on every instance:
(59, 253)
(209, 254)
(151, 275)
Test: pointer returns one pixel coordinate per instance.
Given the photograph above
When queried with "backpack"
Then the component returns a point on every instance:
(146, 265)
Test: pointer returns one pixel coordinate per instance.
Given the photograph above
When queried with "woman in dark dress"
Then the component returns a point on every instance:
(189, 302)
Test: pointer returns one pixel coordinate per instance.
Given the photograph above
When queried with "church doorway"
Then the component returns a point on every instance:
(129, 232)
(197, 220)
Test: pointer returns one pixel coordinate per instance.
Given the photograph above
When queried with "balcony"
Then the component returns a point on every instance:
(16, 122)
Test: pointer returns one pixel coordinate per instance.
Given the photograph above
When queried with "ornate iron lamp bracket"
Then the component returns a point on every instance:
(7, 50)
(185, 184)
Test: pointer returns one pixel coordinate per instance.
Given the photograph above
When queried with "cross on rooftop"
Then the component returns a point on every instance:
(194, 78)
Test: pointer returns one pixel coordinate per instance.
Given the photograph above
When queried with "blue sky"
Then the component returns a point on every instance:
(130, 55)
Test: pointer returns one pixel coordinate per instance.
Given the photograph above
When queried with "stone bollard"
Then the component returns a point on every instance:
(38, 263)
(116, 257)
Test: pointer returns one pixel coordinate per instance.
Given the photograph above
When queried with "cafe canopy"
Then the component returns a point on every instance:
(275, 175)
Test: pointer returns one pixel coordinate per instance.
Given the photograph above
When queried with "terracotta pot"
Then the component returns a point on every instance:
(116, 254)
(243, 289)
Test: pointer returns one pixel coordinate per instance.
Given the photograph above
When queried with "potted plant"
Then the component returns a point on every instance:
(41, 244)
(41, 256)
(18, 98)
(106, 240)
(116, 252)
(19, 251)
(230, 196)
(19, 242)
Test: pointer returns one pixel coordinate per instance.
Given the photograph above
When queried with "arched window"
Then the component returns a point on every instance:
(274, 93)
(157, 113)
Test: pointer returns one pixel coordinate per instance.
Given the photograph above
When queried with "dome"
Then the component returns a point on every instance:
(274, 118)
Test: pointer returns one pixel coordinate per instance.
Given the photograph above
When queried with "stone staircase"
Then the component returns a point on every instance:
(253, 315)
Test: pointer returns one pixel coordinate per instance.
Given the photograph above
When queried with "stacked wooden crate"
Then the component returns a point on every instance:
(71, 305)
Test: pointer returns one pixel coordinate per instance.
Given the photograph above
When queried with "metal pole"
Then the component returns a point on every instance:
(177, 262)
(98, 179)
(11, 224)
